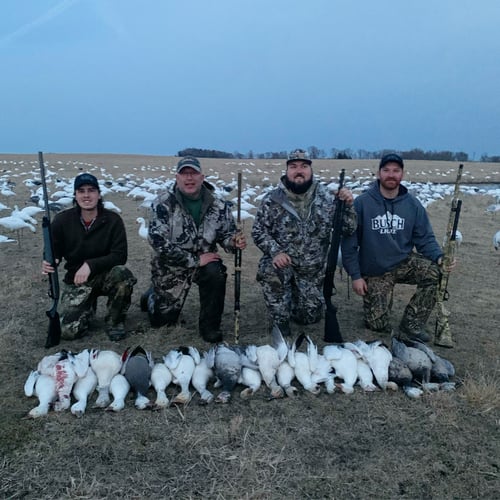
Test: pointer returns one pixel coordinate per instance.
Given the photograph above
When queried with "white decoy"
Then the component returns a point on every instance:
(106, 364)
(16, 224)
(82, 390)
(182, 365)
(25, 216)
(6, 239)
(161, 378)
(44, 388)
(118, 388)
(143, 229)
(201, 376)
(496, 240)
(111, 206)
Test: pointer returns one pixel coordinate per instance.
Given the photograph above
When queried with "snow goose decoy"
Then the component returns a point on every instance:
(496, 240)
(143, 229)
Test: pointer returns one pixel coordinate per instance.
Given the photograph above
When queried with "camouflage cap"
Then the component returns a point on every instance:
(299, 154)
(189, 161)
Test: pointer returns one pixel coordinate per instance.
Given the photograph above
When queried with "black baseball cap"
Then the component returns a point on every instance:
(391, 158)
(82, 179)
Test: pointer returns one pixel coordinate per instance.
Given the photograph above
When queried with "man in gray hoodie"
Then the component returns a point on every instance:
(392, 224)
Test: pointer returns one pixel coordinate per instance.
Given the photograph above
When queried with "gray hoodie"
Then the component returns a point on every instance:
(387, 232)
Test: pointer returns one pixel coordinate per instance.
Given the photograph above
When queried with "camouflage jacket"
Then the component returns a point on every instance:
(173, 235)
(278, 226)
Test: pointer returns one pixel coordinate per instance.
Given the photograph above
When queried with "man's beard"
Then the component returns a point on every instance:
(298, 188)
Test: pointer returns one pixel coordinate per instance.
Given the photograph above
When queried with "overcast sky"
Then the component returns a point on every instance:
(157, 76)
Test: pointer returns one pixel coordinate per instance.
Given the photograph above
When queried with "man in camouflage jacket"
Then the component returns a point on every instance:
(293, 228)
(185, 226)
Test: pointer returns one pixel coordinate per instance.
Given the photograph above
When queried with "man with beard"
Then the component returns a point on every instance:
(391, 223)
(292, 228)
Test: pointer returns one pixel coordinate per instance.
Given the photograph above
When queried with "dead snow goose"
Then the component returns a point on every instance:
(161, 378)
(136, 368)
(118, 388)
(106, 364)
(345, 364)
(182, 365)
(44, 388)
(201, 376)
(82, 390)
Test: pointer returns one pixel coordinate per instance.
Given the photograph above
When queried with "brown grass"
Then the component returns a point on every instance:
(367, 445)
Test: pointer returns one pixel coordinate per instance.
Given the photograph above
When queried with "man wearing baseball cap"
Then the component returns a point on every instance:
(292, 228)
(394, 243)
(187, 224)
(93, 243)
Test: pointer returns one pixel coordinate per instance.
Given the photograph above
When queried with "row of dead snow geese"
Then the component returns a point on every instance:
(62, 376)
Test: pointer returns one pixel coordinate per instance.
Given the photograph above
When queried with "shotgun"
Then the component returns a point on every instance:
(54, 331)
(237, 269)
(332, 329)
(442, 332)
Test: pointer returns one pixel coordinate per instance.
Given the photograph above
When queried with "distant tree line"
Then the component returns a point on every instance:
(338, 154)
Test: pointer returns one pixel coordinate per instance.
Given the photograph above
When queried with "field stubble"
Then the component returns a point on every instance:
(367, 445)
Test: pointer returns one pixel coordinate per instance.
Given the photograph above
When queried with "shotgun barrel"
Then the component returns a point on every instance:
(332, 328)
(442, 333)
(54, 330)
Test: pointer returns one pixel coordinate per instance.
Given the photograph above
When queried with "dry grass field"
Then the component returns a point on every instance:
(365, 446)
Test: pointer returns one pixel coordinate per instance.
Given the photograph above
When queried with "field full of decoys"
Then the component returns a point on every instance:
(67, 380)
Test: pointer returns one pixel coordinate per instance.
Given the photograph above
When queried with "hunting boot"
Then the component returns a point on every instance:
(413, 331)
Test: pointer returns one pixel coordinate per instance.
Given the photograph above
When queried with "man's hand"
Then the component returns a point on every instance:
(346, 196)
(282, 260)
(359, 286)
(206, 258)
(47, 268)
(239, 241)
(82, 275)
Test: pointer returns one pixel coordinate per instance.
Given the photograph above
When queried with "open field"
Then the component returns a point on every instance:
(366, 445)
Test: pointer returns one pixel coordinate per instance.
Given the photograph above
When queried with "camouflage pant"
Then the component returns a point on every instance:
(292, 293)
(171, 286)
(78, 303)
(377, 303)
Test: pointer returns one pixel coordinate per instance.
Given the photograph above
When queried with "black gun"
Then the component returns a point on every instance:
(332, 329)
(54, 331)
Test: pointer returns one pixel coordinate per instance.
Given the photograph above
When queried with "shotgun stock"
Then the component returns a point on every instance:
(54, 330)
(442, 333)
(332, 329)
(237, 269)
